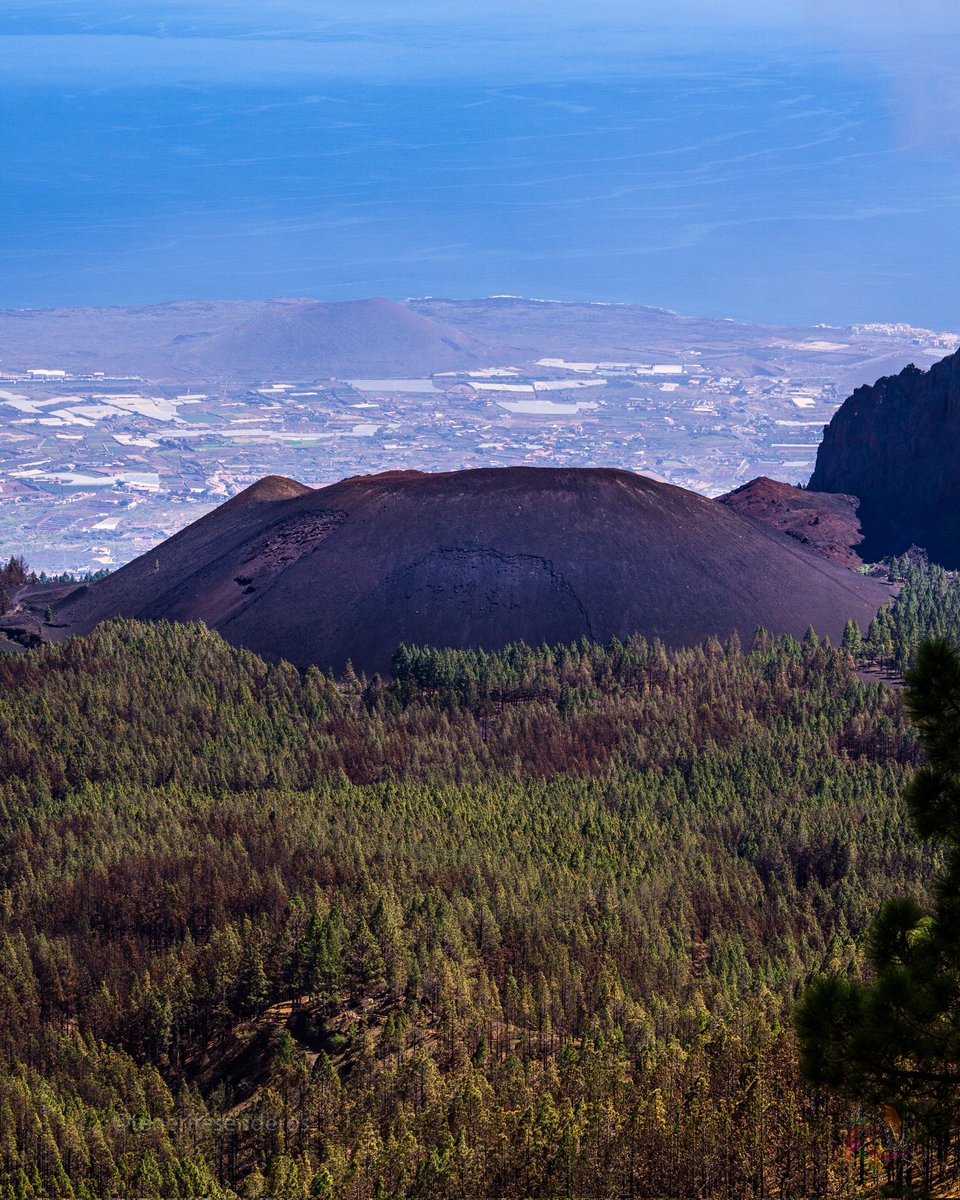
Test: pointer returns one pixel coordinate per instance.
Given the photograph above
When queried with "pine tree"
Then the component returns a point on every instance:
(852, 641)
(895, 1040)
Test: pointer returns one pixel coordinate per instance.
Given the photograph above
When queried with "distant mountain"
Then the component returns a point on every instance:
(474, 558)
(894, 445)
(242, 340)
(359, 337)
(826, 524)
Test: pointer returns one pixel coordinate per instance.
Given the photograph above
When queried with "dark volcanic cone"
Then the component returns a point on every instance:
(475, 558)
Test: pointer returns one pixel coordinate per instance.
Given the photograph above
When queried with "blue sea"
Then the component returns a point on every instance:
(754, 170)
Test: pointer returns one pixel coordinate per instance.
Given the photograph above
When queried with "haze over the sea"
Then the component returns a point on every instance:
(774, 162)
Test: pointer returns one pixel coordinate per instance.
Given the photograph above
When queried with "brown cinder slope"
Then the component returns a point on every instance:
(824, 523)
(474, 558)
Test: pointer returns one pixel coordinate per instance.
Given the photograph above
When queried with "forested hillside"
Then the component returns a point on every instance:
(517, 925)
(927, 605)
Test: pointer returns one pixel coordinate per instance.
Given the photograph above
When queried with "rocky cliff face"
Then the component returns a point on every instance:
(894, 445)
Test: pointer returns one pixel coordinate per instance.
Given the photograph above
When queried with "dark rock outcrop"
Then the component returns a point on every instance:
(474, 558)
(894, 445)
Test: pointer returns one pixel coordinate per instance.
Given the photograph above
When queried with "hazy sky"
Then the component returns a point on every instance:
(763, 160)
